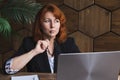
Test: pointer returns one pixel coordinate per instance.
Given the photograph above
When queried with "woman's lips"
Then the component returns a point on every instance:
(52, 31)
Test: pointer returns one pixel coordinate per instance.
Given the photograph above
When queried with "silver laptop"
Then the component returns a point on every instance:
(89, 66)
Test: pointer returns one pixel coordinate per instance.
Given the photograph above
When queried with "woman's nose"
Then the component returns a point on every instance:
(52, 24)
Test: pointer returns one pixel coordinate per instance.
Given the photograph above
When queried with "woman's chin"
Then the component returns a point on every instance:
(52, 36)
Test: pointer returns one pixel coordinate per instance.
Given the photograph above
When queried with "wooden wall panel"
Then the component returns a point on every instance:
(78, 4)
(16, 26)
(107, 42)
(8, 55)
(72, 22)
(84, 42)
(5, 44)
(116, 21)
(94, 21)
(109, 4)
(17, 40)
(1, 61)
(57, 2)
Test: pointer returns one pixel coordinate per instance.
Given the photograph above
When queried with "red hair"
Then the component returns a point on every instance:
(38, 34)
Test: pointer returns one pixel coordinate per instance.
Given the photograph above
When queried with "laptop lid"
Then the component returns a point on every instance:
(89, 66)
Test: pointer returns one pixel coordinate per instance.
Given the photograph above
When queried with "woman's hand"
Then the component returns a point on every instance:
(41, 46)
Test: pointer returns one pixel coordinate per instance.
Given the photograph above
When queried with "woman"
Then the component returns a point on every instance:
(40, 52)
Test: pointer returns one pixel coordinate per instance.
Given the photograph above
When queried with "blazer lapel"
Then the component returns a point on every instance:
(57, 51)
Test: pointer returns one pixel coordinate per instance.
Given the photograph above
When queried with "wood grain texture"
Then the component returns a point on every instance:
(107, 42)
(94, 21)
(116, 21)
(84, 42)
(71, 18)
(78, 4)
(109, 4)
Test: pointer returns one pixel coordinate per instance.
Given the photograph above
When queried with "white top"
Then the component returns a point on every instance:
(51, 62)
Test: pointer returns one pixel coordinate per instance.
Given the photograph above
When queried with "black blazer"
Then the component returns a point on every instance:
(40, 62)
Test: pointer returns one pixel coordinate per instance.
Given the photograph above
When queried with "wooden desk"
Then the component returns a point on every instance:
(42, 76)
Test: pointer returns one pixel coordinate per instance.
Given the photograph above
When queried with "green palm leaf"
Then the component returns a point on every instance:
(5, 27)
(1, 0)
(23, 11)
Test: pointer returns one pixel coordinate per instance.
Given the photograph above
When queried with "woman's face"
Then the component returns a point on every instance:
(50, 25)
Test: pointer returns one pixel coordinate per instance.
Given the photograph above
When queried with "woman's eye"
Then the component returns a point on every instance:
(57, 20)
(46, 20)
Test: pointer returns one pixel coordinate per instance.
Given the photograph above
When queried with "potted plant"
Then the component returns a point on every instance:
(17, 11)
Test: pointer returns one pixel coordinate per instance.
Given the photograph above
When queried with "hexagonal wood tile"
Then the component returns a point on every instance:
(94, 21)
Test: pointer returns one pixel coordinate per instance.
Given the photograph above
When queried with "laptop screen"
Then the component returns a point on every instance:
(89, 66)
